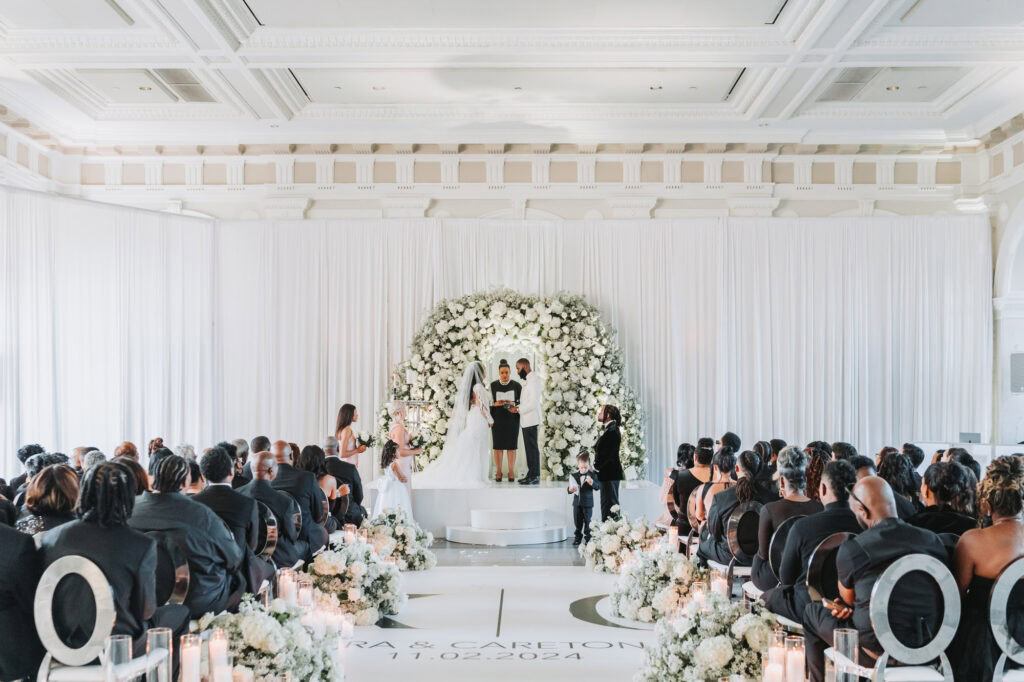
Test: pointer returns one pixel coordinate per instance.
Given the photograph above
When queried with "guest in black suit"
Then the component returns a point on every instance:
(127, 558)
(606, 459)
(713, 544)
(50, 499)
(581, 487)
(290, 545)
(303, 487)
(350, 508)
(20, 565)
(24, 452)
(213, 557)
(913, 611)
(866, 467)
(790, 597)
(792, 468)
(947, 491)
(238, 511)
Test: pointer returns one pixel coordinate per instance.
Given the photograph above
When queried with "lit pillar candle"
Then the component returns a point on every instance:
(773, 673)
(721, 586)
(190, 656)
(795, 659)
(218, 648)
(673, 538)
(350, 533)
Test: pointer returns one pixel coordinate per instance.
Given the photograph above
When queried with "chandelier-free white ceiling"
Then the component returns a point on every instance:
(115, 72)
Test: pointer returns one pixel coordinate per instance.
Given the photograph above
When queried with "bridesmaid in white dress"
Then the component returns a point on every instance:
(400, 435)
(348, 449)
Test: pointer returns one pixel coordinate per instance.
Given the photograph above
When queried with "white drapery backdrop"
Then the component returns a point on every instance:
(125, 324)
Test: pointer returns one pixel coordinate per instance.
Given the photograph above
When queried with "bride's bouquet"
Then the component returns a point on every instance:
(654, 584)
(615, 541)
(711, 638)
(367, 439)
(393, 534)
(272, 642)
(363, 582)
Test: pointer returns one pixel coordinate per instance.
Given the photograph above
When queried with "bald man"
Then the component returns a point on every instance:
(303, 486)
(913, 610)
(290, 546)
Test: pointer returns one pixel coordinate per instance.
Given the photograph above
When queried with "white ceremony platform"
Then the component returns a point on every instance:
(503, 514)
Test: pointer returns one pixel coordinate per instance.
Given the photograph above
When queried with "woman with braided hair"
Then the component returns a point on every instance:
(979, 558)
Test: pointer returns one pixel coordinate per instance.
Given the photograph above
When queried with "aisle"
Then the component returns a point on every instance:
(499, 623)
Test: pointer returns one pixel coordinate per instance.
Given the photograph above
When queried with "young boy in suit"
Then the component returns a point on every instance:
(581, 487)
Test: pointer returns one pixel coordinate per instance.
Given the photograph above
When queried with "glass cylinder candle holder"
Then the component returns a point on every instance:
(159, 648)
(117, 655)
(673, 539)
(220, 668)
(219, 646)
(305, 592)
(191, 656)
(845, 644)
(795, 660)
(772, 671)
(777, 648)
(287, 587)
(720, 582)
(699, 591)
(350, 533)
(364, 535)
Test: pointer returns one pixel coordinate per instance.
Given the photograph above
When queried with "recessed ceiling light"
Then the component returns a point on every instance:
(655, 88)
(378, 88)
(145, 88)
(893, 88)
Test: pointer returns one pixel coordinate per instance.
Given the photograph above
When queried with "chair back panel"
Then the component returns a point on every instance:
(172, 572)
(822, 576)
(778, 543)
(741, 531)
(43, 610)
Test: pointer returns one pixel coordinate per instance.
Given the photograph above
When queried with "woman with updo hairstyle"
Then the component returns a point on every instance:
(684, 460)
(979, 558)
(792, 475)
(722, 465)
(50, 499)
(816, 461)
(713, 544)
(898, 472)
(686, 482)
(947, 492)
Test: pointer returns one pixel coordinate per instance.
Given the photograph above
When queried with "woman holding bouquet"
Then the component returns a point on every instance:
(405, 453)
(348, 449)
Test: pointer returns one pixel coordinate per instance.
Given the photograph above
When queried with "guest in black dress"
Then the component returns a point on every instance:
(979, 558)
(866, 467)
(49, 500)
(947, 491)
(793, 480)
(688, 481)
(713, 544)
(898, 472)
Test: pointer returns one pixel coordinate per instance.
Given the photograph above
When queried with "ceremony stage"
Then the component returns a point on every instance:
(505, 514)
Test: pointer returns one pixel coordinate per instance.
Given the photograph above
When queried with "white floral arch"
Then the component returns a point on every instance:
(578, 358)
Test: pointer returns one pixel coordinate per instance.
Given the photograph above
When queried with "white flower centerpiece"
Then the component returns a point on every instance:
(393, 534)
(272, 642)
(710, 639)
(365, 585)
(616, 541)
(578, 358)
(654, 584)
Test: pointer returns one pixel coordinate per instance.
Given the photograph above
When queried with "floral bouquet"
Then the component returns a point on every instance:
(417, 442)
(616, 540)
(394, 534)
(653, 585)
(712, 638)
(364, 584)
(272, 642)
(367, 439)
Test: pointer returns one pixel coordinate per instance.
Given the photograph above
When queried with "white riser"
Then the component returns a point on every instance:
(506, 519)
(504, 538)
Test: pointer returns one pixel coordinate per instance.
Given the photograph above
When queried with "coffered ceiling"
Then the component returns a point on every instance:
(220, 72)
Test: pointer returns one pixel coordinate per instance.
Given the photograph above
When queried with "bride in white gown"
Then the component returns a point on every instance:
(464, 460)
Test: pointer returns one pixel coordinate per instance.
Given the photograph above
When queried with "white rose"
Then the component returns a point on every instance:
(714, 653)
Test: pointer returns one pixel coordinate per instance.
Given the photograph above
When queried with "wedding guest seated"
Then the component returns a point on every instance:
(196, 480)
(899, 474)
(817, 458)
(155, 457)
(256, 445)
(790, 598)
(668, 513)
(730, 440)
(793, 481)
(347, 476)
(723, 464)
(290, 545)
(50, 499)
(841, 450)
(302, 486)
(126, 449)
(688, 481)
(240, 456)
(952, 453)
(239, 512)
(8, 513)
(713, 544)
(979, 558)
(33, 466)
(213, 557)
(127, 558)
(916, 456)
(883, 454)
(138, 473)
(312, 459)
(77, 460)
(947, 491)
(914, 610)
(24, 452)
(20, 565)
(769, 462)
(91, 459)
(866, 467)
(966, 460)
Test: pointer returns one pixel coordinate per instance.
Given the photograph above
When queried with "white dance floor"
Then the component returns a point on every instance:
(499, 623)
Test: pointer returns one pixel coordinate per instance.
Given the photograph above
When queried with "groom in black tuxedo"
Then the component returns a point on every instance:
(606, 459)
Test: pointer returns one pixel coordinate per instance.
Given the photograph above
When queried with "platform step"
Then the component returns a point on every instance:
(506, 519)
(504, 538)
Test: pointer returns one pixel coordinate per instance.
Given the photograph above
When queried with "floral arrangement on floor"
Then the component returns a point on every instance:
(577, 356)
(652, 585)
(393, 534)
(711, 638)
(357, 566)
(615, 541)
(272, 642)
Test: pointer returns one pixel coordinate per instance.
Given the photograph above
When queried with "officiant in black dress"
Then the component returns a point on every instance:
(505, 411)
